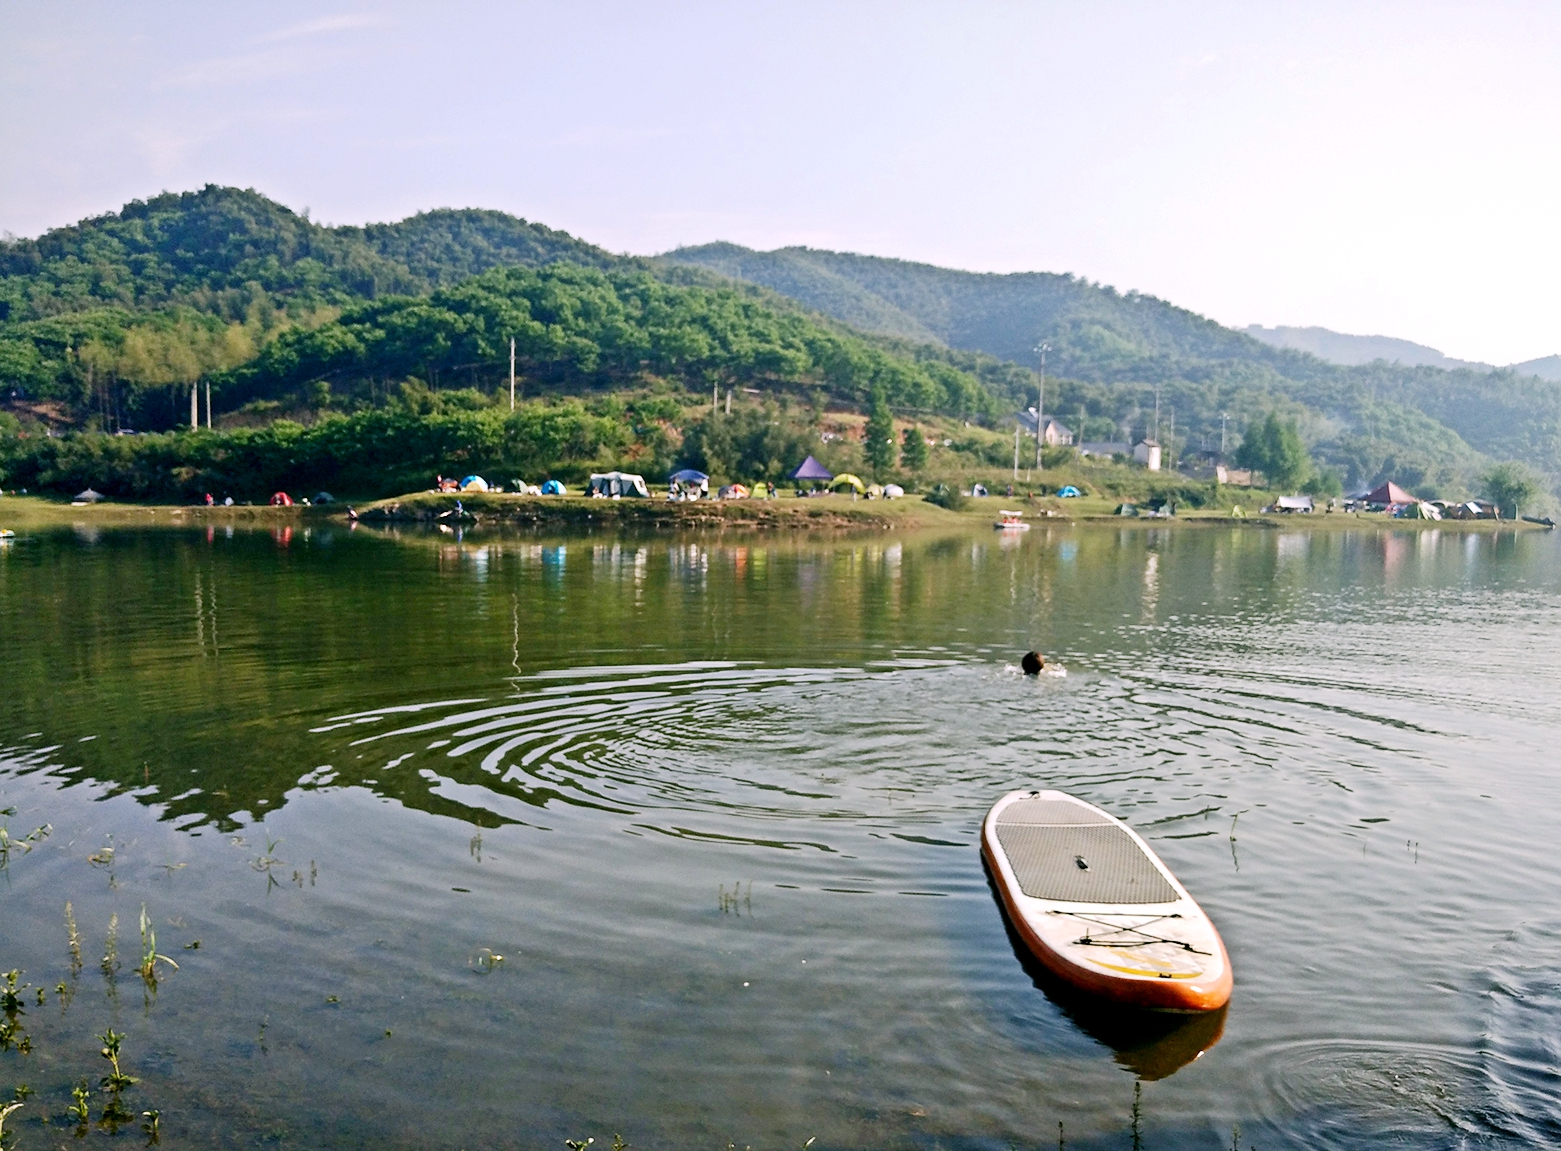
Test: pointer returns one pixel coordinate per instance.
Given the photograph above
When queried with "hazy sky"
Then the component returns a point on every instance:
(1373, 168)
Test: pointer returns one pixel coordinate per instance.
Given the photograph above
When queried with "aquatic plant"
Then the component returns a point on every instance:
(116, 1080)
(737, 900)
(485, 961)
(5, 1113)
(12, 1034)
(10, 994)
(110, 961)
(72, 938)
(152, 1125)
(578, 1145)
(9, 843)
(80, 1093)
(149, 956)
(1138, 1113)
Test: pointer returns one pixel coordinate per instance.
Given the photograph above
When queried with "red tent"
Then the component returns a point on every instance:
(1388, 493)
(281, 500)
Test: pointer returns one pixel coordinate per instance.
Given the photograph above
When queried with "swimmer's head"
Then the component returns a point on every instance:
(1032, 663)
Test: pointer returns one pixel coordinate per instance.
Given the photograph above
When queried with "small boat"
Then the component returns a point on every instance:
(1098, 909)
(7, 534)
(1011, 522)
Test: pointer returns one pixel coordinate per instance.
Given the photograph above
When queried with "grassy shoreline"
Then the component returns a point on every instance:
(788, 513)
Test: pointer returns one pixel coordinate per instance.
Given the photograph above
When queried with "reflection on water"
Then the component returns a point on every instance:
(358, 766)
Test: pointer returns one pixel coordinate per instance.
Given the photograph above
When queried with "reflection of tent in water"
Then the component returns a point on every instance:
(554, 488)
(1388, 493)
(618, 484)
(810, 469)
(474, 484)
(87, 497)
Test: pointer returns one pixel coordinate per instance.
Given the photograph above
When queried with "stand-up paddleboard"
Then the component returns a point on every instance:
(1098, 908)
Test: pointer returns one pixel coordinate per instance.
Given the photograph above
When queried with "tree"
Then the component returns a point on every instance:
(879, 436)
(1509, 486)
(1274, 448)
(913, 450)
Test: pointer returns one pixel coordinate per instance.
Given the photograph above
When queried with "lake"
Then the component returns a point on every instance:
(715, 803)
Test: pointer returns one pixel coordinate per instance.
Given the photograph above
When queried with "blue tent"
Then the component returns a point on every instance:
(553, 488)
(810, 469)
(1068, 492)
(689, 476)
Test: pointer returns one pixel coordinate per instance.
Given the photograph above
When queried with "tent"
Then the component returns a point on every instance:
(281, 500)
(689, 476)
(87, 497)
(615, 484)
(874, 491)
(554, 488)
(1293, 504)
(1387, 495)
(474, 484)
(1068, 492)
(892, 491)
(810, 469)
(733, 492)
(324, 498)
(1416, 510)
(846, 478)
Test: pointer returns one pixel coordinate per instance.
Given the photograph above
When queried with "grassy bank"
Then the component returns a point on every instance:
(787, 513)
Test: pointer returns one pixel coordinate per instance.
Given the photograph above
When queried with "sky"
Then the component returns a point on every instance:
(1388, 169)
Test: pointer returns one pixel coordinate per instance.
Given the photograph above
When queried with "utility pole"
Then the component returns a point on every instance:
(195, 406)
(512, 373)
(1157, 413)
(1017, 429)
(1040, 408)
(1223, 416)
(208, 405)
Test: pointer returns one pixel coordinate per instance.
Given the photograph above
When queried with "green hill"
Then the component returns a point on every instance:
(1430, 428)
(108, 322)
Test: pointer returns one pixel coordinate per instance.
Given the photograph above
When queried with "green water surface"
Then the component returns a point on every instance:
(715, 802)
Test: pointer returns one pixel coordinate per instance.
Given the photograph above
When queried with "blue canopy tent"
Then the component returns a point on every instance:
(810, 469)
(690, 479)
(553, 488)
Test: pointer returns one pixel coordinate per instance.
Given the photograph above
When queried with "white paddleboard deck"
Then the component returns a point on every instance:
(1099, 908)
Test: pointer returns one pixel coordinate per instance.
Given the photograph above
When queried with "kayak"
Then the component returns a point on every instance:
(1098, 908)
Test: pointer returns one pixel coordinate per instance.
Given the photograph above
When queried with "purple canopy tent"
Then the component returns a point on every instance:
(810, 469)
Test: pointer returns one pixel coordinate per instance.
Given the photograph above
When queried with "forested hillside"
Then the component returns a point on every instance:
(109, 324)
(1113, 350)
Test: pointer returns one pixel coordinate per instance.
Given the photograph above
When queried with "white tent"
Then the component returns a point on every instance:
(615, 484)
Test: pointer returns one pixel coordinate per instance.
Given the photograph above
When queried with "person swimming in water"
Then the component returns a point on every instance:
(1032, 663)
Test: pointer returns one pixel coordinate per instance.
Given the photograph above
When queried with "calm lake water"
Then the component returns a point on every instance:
(716, 802)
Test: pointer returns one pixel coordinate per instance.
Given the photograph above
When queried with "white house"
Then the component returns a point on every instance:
(1147, 452)
(1052, 435)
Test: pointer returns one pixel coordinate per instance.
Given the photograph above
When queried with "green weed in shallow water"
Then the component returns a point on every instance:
(80, 1093)
(152, 1124)
(149, 956)
(5, 1113)
(72, 938)
(116, 1079)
